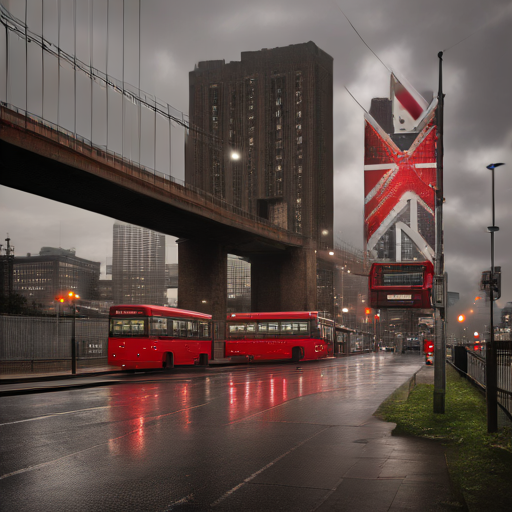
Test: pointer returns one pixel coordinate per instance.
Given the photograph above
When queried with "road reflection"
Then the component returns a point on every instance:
(224, 397)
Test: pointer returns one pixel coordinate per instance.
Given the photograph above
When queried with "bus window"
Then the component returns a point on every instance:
(125, 327)
(237, 328)
(203, 330)
(251, 328)
(263, 327)
(300, 328)
(193, 329)
(158, 326)
(182, 328)
(273, 327)
(286, 328)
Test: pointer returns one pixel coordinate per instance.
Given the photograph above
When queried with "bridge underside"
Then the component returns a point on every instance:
(36, 174)
(283, 271)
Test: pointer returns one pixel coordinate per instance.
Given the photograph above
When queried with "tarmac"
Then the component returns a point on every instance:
(392, 473)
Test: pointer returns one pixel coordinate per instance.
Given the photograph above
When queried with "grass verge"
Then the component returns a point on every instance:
(480, 464)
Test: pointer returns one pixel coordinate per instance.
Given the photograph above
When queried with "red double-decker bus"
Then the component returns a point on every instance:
(158, 337)
(295, 335)
(401, 285)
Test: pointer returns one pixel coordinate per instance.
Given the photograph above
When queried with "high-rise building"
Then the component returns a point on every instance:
(274, 108)
(42, 277)
(138, 266)
(239, 285)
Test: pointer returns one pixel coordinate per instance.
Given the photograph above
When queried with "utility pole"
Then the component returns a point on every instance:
(439, 277)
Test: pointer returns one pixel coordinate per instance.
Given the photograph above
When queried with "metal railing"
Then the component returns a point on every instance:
(474, 365)
(504, 373)
(66, 138)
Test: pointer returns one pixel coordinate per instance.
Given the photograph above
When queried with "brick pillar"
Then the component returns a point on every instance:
(202, 276)
(284, 281)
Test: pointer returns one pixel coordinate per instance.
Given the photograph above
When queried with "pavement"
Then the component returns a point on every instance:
(390, 473)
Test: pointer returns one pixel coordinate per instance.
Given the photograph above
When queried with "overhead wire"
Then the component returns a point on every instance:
(21, 30)
(360, 37)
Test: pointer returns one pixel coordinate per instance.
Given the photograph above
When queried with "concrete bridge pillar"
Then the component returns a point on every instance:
(202, 277)
(285, 281)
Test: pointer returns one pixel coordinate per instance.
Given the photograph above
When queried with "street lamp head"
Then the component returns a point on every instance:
(491, 167)
(235, 155)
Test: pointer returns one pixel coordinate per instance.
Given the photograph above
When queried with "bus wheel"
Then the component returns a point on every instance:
(169, 361)
(297, 354)
(203, 359)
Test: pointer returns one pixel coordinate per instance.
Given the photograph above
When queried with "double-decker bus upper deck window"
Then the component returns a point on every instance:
(127, 327)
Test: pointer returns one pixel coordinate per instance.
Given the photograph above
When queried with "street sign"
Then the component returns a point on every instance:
(488, 283)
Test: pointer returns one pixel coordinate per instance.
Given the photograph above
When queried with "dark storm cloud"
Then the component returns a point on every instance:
(406, 35)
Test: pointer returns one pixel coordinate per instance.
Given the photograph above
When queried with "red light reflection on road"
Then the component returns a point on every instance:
(248, 397)
(134, 407)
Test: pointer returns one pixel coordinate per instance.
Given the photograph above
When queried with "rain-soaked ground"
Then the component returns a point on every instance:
(258, 437)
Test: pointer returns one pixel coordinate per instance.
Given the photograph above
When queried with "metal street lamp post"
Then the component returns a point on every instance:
(73, 296)
(491, 359)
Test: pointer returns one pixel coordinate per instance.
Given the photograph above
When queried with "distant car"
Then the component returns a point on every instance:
(386, 349)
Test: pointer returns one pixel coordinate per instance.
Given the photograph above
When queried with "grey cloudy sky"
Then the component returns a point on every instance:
(407, 36)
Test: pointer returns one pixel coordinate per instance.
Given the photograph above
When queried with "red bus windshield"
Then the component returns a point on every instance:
(401, 285)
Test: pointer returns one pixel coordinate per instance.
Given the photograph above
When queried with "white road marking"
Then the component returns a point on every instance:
(54, 414)
(43, 464)
(254, 475)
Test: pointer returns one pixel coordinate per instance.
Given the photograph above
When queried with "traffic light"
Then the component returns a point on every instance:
(367, 311)
(60, 298)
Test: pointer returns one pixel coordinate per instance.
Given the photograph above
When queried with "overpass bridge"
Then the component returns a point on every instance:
(44, 159)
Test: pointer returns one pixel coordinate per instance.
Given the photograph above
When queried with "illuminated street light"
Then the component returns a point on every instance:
(72, 296)
(331, 253)
(461, 318)
(235, 155)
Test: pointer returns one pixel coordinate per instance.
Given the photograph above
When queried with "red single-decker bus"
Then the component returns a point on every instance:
(401, 285)
(143, 337)
(294, 335)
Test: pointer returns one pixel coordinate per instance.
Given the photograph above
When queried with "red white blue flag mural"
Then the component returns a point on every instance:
(399, 184)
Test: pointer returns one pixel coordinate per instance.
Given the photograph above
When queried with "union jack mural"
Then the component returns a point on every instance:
(399, 188)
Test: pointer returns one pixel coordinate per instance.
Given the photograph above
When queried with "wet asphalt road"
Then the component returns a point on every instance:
(259, 437)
